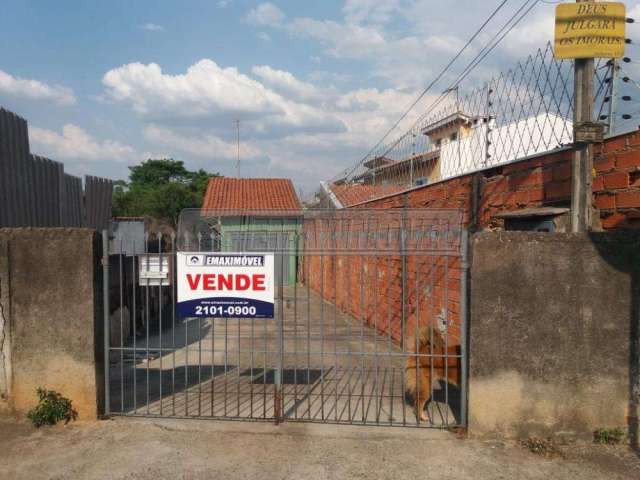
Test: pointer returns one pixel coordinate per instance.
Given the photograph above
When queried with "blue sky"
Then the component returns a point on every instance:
(105, 85)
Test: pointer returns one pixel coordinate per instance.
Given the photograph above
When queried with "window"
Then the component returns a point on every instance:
(453, 137)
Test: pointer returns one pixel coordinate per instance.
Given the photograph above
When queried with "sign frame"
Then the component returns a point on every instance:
(590, 30)
(226, 285)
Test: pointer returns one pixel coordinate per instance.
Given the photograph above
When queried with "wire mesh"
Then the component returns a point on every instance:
(525, 111)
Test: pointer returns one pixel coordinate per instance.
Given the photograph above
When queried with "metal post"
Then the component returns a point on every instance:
(581, 195)
(278, 393)
(105, 308)
(464, 318)
(613, 98)
(403, 260)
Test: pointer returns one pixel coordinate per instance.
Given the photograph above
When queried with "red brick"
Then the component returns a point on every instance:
(606, 201)
(604, 164)
(612, 221)
(522, 198)
(530, 177)
(598, 184)
(518, 167)
(562, 172)
(555, 190)
(536, 195)
(509, 199)
(496, 184)
(628, 159)
(616, 180)
(629, 199)
(616, 144)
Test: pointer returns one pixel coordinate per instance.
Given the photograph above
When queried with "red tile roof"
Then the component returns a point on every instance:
(251, 194)
(350, 194)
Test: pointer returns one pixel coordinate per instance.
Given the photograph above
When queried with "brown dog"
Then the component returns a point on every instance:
(422, 370)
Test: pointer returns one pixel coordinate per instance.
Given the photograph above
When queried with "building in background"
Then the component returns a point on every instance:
(252, 214)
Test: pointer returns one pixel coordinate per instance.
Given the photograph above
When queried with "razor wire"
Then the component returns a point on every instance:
(524, 111)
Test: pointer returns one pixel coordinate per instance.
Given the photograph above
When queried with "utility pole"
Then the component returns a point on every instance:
(613, 98)
(238, 142)
(582, 164)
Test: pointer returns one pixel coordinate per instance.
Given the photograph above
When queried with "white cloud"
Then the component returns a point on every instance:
(74, 143)
(265, 14)
(223, 3)
(204, 89)
(264, 36)
(201, 145)
(152, 27)
(285, 83)
(35, 90)
(374, 11)
(211, 94)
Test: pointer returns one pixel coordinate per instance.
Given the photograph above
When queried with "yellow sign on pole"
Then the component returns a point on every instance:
(590, 30)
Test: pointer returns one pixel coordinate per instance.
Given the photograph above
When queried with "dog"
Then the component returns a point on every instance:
(422, 371)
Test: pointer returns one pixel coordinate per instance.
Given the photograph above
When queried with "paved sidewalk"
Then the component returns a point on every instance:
(200, 449)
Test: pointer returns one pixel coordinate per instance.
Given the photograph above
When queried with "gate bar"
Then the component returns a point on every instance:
(105, 313)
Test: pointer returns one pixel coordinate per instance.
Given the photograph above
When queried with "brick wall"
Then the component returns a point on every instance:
(537, 182)
(357, 266)
(370, 288)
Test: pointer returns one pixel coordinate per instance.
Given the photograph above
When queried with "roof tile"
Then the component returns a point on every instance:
(250, 194)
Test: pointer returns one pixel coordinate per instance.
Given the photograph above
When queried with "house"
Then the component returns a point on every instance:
(254, 214)
(344, 195)
(456, 144)
(463, 143)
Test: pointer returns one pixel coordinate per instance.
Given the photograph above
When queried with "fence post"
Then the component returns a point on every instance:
(582, 164)
(105, 311)
(464, 319)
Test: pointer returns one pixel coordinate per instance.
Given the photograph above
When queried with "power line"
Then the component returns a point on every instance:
(482, 54)
(433, 82)
(513, 21)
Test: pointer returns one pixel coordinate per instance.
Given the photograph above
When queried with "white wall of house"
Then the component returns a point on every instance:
(508, 143)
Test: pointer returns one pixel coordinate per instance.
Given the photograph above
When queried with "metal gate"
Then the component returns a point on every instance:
(370, 321)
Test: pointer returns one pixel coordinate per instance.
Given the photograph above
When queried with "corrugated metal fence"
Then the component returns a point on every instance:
(35, 191)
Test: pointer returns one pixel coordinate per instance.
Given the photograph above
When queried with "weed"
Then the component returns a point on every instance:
(541, 446)
(609, 436)
(51, 409)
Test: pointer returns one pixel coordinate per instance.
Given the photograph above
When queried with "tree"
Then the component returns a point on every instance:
(160, 188)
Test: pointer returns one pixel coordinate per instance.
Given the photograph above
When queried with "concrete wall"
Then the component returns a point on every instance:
(54, 299)
(5, 330)
(554, 333)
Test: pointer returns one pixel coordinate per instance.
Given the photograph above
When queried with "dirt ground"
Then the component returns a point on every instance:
(203, 449)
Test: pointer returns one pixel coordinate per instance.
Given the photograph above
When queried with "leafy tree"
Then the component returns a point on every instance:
(160, 188)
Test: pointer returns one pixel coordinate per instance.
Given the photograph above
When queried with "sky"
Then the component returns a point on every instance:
(314, 85)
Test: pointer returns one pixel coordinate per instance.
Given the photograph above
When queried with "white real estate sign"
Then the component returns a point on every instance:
(229, 285)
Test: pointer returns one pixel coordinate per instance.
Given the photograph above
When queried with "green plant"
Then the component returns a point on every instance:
(609, 436)
(51, 409)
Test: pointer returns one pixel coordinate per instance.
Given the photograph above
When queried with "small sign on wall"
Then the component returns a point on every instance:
(154, 270)
(227, 285)
(590, 30)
